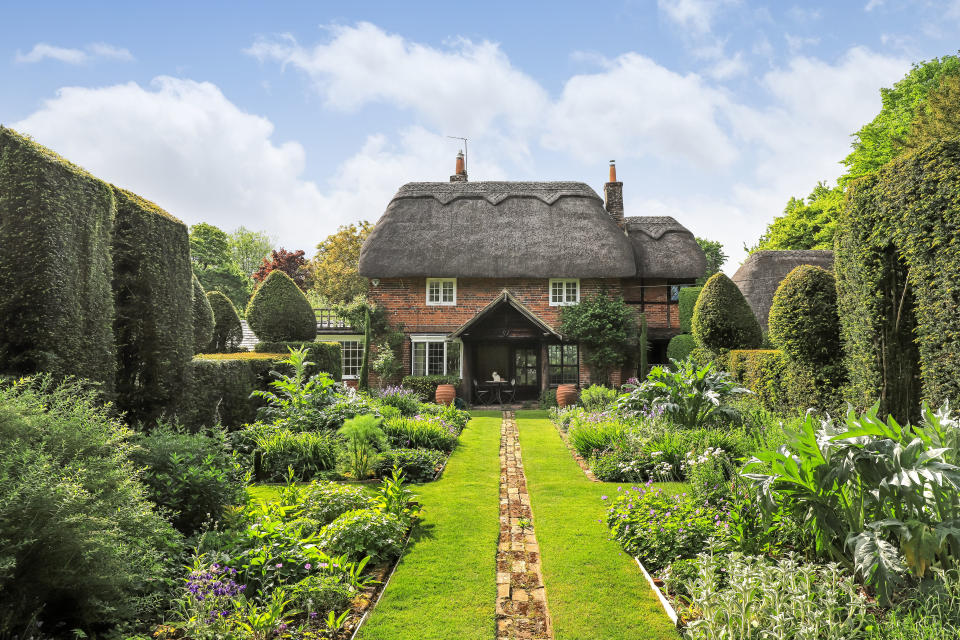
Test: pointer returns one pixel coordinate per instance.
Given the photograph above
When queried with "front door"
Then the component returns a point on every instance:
(526, 370)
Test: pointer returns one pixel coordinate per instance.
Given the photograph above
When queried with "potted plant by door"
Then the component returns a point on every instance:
(446, 393)
(566, 395)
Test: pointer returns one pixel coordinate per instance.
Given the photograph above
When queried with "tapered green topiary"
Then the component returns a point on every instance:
(803, 317)
(227, 331)
(687, 300)
(722, 318)
(680, 346)
(279, 311)
(202, 318)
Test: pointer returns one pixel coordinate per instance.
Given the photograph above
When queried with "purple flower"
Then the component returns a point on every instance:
(603, 497)
(279, 565)
(308, 566)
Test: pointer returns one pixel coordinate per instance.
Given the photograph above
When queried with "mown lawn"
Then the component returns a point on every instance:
(445, 585)
(594, 589)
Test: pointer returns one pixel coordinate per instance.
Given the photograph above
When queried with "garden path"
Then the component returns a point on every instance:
(521, 597)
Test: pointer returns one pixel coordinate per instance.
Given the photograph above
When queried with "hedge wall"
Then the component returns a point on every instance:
(55, 265)
(898, 281)
(219, 386)
(426, 386)
(153, 295)
(324, 355)
(687, 300)
(202, 318)
(762, 371)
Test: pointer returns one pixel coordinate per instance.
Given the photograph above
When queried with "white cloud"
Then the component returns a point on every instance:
(796, 43)
(43, 51)
(465, 88)
(695, 16)
(637, 108)
(873, 4)
(727, 68)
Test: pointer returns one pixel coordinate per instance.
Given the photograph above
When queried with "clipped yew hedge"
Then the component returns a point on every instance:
(278, 311)
(153, 294)
(685, 303)
(803, 318)
(202, 318)
(325, 356)
(763, 371)
(898, 281)
(227, 330)
(681, 346)
(722, 318)
(56, 310)
(219, 388)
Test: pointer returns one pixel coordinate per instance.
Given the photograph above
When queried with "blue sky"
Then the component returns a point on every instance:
(297, 117)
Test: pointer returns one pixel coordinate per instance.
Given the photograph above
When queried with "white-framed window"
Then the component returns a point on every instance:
(351, 355)
(564, 291)
(442, 291)
(435, 356)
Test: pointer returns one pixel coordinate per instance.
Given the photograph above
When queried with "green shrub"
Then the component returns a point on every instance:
(308, 453)
(407, 401)
(419, 433)
(80, 543)
(597, 397)
(325, 356)
(548, 398)
(327, 501)
(153, 295)
(227, 330)
(278, 311)
(618, 465)
(55, 267)
(687, 300)
(419, 465)
(680, 346)
(607, 329)
(763, 371)
(589, 437)
(194, 475)
(202, 318)
(426, 386)
(321, 594)
(364, 532)
(449, 417)
(803, 317)
(722, 318)
(659, 528)
(218, 388)
(295, 401)
(362, 436)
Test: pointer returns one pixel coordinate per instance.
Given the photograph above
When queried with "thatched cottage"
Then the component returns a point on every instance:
(476, 274)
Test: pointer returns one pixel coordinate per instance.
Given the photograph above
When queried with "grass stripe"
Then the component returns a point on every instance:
(594, 589)
(445, 585)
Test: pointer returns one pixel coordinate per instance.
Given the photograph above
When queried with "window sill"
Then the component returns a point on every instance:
(441, 304)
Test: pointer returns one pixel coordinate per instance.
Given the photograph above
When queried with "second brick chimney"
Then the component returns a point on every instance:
(613, 196)
(460, 174)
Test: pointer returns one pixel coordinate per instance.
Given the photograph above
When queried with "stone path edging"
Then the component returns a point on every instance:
(521, 597)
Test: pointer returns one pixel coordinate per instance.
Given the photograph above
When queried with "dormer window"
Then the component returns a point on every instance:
(564, 291)
(441, 291)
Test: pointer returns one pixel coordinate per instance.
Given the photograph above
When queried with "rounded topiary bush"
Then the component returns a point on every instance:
(803, 317)
(722, 318)
(227, 331)
(327, 501)
(202, 318)
(278, 310)
(680, 346)
(364, 532)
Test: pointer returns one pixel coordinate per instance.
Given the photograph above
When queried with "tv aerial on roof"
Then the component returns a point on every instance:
(465, 164)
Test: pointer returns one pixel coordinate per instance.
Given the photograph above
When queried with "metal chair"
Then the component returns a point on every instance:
(480, 395)
(510, 393)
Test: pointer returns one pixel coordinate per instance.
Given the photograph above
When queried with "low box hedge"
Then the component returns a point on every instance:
(219, 386)
(426, 386)
(324, 355)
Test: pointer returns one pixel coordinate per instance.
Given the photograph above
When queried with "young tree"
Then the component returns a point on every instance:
(213, 265)
(334, 267)
(806, 224)
(248, 249)
(608, 330)
(715, 256)
(292, 263)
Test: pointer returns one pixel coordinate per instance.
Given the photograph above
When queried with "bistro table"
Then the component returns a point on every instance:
(499, 385)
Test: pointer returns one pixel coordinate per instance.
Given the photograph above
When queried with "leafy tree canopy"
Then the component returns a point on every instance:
(292, 263)
(940, 117)
(715, 256)
(249, 248)
(606, 327)
(805, 224)
(334, 267)
(214, 266)
(209, 246)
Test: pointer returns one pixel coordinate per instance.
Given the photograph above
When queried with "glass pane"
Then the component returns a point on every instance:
(453, 359)
(554, 354)
(556, 292)
(419, 358)
(572, 291)
(448, 291)
(434, 358)
(570, 354)
(351, 357)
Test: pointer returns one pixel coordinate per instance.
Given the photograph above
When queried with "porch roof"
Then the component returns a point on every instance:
(507, 298)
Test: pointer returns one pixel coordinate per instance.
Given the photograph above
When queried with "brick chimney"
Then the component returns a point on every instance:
(613, 195)
(460, 174)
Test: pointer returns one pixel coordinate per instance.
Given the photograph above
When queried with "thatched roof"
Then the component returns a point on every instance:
(761, 274)
(664, 248)
(497, 230)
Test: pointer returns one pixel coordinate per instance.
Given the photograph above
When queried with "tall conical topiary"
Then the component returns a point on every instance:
(803, 317)
(202, 318)
(227, 331)
(279, 312)
(722, 318)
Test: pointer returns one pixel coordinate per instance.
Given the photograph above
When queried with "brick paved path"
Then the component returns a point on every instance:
(521, 598)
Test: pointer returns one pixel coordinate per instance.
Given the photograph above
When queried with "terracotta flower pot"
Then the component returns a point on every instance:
(566, 395)
(445, 393)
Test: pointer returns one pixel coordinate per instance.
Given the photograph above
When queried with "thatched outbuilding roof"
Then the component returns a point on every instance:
(664, 248)
(761, 274)
(496, 230)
